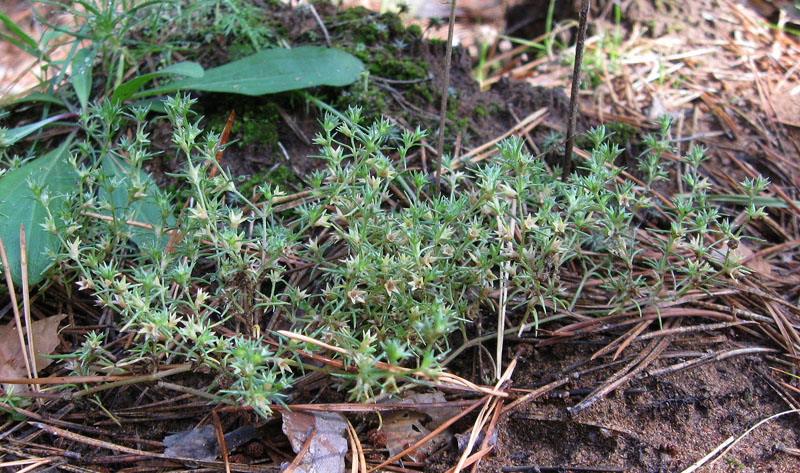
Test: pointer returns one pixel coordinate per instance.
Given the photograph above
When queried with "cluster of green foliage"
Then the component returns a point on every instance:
(390, 283)
(385, 281)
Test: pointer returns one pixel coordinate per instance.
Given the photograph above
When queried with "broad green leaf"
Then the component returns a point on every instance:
(82, 75)
(187, 68)
(272, 71)
(15, 134)
(143, 210)
(18, 206)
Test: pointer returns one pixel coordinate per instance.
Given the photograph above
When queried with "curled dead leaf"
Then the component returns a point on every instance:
(45, 341)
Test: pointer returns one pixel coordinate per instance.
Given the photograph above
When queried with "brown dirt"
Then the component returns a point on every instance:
(653, 425)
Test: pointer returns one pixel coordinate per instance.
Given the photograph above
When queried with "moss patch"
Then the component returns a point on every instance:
(255, 122)
(385, 47)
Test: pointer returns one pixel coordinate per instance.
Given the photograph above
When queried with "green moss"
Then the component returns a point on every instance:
(382, 43)
(485, 111)
(622, 133)
(255, 122)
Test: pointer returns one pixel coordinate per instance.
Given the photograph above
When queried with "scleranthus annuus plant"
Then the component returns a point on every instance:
(389, 273)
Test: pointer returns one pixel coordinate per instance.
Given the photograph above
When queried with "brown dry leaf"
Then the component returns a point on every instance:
(402, 429)
(202, 444)
(329, 445)
(438, 415)
(45, 341)
(757, 264)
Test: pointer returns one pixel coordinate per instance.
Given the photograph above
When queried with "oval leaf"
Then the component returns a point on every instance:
(144, 210)
(82, 75)
(19, 205)
(272, 71)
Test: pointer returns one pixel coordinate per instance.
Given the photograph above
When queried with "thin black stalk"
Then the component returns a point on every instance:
(445, 87)
(566, 162)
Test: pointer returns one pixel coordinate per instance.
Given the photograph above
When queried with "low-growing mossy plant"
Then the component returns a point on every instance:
(370, 262)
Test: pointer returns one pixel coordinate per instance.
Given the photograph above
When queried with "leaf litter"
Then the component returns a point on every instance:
(12, 361)
(327, 448)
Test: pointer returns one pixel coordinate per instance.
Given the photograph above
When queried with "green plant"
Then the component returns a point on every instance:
(268, 71)
(391, 286)
(386, 283)
(156, 291)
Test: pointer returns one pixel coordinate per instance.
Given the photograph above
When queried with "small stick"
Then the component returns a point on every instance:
(730, 442)
(223, 447)
(358, 452)
(431, 435)
(15, 307)
(566, 162)
(26, 301)
(302, 452)
(320, 23)
(647, 356)
(445, 87)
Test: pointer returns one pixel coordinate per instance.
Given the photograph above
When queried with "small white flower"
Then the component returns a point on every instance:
(529, 223)
(507, 192)
(391, 287)
(120, 301)
(74, 248)
(322, 221)
(200, 298)
(416, 283)
(427, 260)
(84, 284)
(504, 231)
(236, 218)
(199, 213)
(373, 182)
(356, 295)
(283, 365)
(150, 330)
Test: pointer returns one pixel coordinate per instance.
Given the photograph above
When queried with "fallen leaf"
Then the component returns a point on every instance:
(401, 429)
(757, 264)
(438, 415)
(329, 445)
(45, 341)
(742, 251)
(201, 444)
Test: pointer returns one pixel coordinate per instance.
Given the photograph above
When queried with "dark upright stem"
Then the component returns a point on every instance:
(445, 87)
(566, 162)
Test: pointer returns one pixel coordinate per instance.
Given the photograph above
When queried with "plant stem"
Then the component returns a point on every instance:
(445, 87)
(566, 163)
